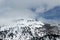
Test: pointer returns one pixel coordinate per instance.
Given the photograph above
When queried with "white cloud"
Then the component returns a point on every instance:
(19, 13)
(34, 3)
(40, 5)
(49, 21)
(21, 8)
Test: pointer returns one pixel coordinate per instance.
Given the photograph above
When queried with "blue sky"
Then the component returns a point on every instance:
(44, 10)
(53, 13)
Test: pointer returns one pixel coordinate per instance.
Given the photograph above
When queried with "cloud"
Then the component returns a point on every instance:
(38, 4)
(19, 13)
(49, 21)
(25, 8)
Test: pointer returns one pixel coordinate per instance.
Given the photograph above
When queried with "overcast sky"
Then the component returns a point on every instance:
(11, 9)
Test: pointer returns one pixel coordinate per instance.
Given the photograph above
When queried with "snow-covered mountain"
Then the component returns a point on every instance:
(26, 29)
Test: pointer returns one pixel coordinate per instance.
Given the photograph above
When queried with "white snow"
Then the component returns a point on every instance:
(19, 26)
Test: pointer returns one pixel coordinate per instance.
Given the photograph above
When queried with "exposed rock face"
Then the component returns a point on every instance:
(29, 30)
